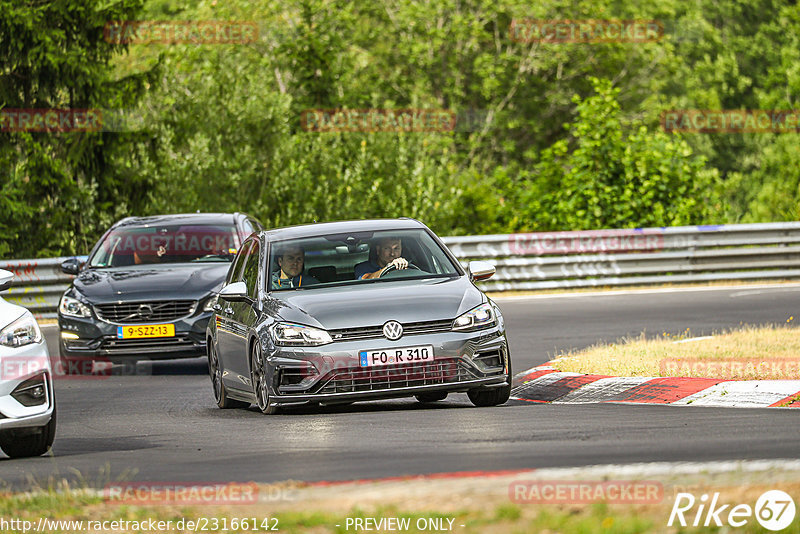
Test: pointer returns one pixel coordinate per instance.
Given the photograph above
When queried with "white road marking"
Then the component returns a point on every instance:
(669, 468)
(602, 390)
(743, 393)
(534, 369)
(693, 339)
(614, 293)
(789, 287)
(544, 380)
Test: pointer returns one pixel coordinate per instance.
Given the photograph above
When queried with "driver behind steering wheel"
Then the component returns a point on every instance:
(388, 253)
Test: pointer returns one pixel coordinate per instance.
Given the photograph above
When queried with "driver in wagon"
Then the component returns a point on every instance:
(387, 252)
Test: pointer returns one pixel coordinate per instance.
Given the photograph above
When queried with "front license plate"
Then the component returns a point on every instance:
(145, 330)
(376, 358)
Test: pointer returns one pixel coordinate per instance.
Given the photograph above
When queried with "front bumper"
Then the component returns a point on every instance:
(462, 361)
(97, 339)
(18, 365)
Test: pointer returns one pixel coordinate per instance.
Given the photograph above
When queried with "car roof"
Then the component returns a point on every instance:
(191, 218)
(341, 227)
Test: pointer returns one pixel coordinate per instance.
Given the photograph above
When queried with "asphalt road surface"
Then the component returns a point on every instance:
(162, 424)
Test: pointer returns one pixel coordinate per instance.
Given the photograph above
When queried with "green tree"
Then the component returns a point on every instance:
(60, 189)
(612, 175)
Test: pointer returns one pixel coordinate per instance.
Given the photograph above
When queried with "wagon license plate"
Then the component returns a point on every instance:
(377, 358)
(145, 331)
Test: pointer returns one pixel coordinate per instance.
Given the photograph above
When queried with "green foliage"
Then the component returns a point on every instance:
(60, 189)
(616, 177)
(222, 125)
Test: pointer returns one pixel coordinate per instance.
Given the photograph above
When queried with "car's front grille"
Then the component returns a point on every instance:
(444, 371)
(156, 344)
(409, 329)
(145, 312)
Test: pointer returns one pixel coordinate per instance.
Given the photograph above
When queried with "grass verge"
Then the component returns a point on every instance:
(468, 506)
(746, 353)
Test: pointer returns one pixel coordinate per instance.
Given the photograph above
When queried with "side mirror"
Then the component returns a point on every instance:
(480, 270)
(71, 266)
(235, 292)
(5, 279)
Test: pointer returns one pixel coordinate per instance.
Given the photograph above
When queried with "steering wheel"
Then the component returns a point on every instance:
(393, 268)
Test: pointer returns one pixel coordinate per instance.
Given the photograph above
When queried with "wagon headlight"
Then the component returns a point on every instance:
(21, 332)
(297, 334)
(73, 307)
(479, 317)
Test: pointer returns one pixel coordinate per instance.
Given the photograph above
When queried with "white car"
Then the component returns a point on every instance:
(27, 402)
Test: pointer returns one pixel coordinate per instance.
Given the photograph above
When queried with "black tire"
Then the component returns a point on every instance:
(258, 376)
(492, 397)
(220, 393)
(489, 397)
(25, 442)
(433, 396)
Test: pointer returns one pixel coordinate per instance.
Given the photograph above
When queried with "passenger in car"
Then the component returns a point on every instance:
(385, 251)
(142, 256)
(290, 269)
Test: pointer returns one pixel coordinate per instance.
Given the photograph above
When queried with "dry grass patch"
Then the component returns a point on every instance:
(747, 353)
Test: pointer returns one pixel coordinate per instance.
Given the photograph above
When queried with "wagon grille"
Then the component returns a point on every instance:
(145, 312)
(445, 371)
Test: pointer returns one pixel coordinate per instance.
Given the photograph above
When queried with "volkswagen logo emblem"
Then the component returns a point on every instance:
(393, 330)
(145, 311)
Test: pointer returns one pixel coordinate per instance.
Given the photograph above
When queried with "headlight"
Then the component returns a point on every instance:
(72, 307)
(479, 317)
(23, 331)
(297, 334)
(209, 306)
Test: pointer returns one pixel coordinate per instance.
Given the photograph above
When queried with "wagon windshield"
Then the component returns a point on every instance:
(177, 243)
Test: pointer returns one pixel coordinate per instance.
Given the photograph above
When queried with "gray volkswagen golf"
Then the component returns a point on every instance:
(351, 311)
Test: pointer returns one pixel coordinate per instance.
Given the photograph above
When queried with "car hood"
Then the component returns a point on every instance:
(9, 313)
(372, 304)
(146, 282)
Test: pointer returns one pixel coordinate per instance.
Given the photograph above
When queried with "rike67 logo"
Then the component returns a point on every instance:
(774, 510)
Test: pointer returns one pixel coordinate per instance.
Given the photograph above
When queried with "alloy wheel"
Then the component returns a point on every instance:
(259, 377)
(214, 371)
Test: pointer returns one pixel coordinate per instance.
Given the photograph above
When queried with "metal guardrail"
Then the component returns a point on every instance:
(38, 284)
(550, 260)
(599, 258)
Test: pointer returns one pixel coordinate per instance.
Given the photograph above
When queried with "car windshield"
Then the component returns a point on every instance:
(179, 243)
(354, 258)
